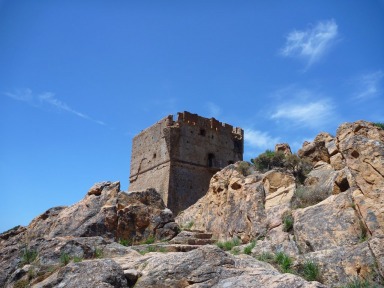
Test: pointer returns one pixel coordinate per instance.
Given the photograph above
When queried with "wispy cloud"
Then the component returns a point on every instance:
(369, 85)
(304, 108)
(259, 139)
(213, 109)
(47, 98)
(311, 44)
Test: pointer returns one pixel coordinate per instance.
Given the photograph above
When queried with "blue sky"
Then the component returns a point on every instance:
(78, 79)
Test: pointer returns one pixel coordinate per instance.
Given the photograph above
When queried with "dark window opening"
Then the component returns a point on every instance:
(211, 160)
(202, 132)
(230, 162)
(154, 155)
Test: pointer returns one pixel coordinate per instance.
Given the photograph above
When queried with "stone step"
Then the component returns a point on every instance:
(165, 247)
(205, 235)
(196, 241)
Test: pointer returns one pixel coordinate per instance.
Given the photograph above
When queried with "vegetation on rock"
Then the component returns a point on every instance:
(310, 271)
(292, 163)
(228, 245)
(28, 256)
(248, 249)
(380, 125)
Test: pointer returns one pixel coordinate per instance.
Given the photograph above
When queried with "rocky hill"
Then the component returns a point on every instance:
(274, 228)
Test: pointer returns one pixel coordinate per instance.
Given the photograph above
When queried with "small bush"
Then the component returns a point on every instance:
(360, 283)
(228, 245)
(28, 256)
(125, 242)
(65, 258)
(248, 249)
(98, 253)
(364, 232)
(380, 125)
(188, 225)
(284, 262)
(77, 259)
(268, 160)
(287, 222)
(22, 283)
(311, 271)
(150, 240)
(292, 163)
(162, 249)
(265, 257)
(149, 249)
(243, 168)
(235, 251)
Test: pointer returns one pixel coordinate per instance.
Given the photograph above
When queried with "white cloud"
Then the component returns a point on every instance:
(369, 85)
(304, 108)
(259, 139)
(311, 44)
(26, 95)
(256, 142)
(213, 109)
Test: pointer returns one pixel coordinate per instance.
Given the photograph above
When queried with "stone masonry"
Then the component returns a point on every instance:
(178, 158)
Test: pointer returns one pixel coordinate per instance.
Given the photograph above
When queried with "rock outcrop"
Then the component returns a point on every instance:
(209, 266)
(111, 213)
(106, 214)
(338, 211)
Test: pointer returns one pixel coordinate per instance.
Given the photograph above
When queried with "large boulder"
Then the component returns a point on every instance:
(92, 273)
(234, 206)
(106, 211)
(209, 266)
(362, 145)
(328, 224)
(317, 150)
(106, 214)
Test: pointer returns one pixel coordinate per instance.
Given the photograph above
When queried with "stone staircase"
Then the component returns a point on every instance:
(185, 241)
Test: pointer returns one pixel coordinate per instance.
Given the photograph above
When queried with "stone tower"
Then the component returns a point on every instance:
(178, 158)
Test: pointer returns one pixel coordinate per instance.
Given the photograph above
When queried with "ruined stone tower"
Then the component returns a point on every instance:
(178, 158)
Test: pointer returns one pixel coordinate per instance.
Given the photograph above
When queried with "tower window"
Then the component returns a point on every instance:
(211, 160)
(202, 132)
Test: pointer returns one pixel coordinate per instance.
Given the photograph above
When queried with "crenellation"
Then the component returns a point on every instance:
(178, 158)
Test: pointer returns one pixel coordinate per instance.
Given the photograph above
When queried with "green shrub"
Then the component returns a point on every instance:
(284, 262)
(268, 160)
(292, 163)
(243, 168)
(149, 249)
(248, 249)
(65, 258)
(28, 256)
(188, 225)
(361, 283)
(287, 222)
(98, 253)
(150, 240)
(380, 125)
(228, 245)
(299, 167)
(22, 283)
(235, 251)
(125, 242)
(310, 271)
(265, 257)
(77, 259)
